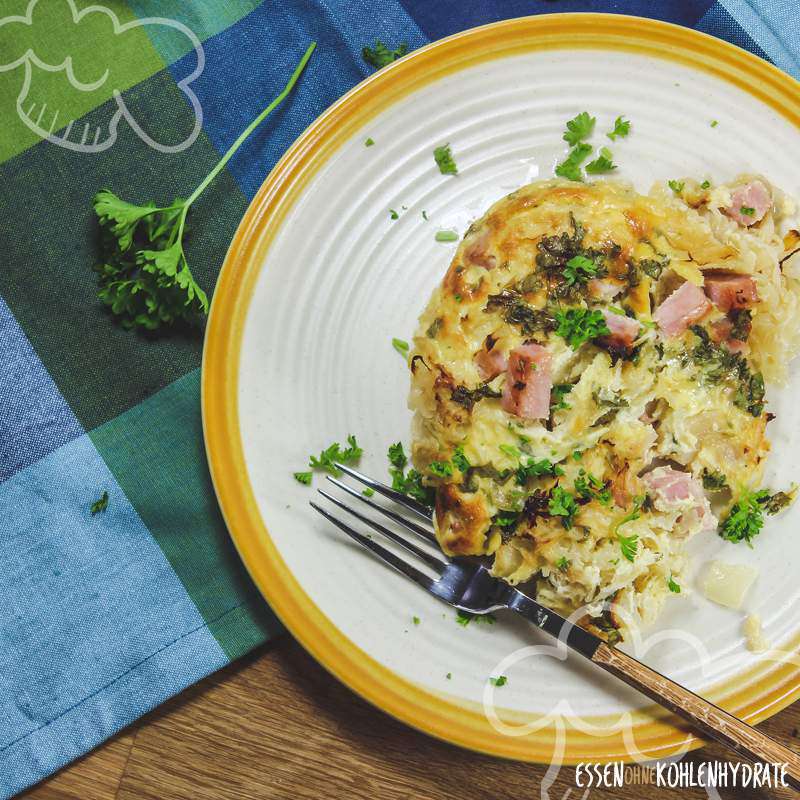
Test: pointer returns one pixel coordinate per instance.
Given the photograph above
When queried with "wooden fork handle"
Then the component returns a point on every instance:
(706, 717)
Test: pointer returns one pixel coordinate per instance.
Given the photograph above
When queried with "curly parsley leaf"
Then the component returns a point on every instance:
(401, 347)
(676, 186)
(460, 461)
(500, 681)
(563, 564)
(622, 127)
(144, 277)
(746, 517)
(580, 269)
(326, 461)
(570, 167)
(380, 55)
(629, 545)
(440, 469)
(409, 483)
(579, 325)
(563, 504)
(579, 128)
(100, 504)
(443, 156)
(603, 163)
(537, 469)
(303, 477)
(673, 586)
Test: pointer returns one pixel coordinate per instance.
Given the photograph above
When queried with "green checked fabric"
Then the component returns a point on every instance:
(104, 617)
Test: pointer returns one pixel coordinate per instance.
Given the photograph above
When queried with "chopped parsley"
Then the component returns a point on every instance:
(415, 620)
(676, 186)
(705, 184)
(327, 458)
(380, 55)
(506, 519)
(673, 586)
(368, 492)
(303, 477)
(563, 564)
(746, 517)
(622, 127)
(510, 450)
(369, 142)
(460, 461)
(449, 675)
(579, 325)
(393, 214)
(579, 128)
(464, 618)
(589, 487)
(714, 123)
(557, 402)
(563, 504)
(570, 167)
(446, 236)
(501, 681)
(443, 156)
(440, 469)
(580, 269)
(714, 481)
(409, 483)
(99, 505)
(424, 215)
(747, 211)
(630, 544)
(603, 163)
(401, 347)
(537, 469)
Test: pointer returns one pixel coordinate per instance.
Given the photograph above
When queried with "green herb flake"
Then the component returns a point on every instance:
(409, 483)
(563, 504)
(443, 156)
(449, 676)
(603, 163)
(563, 564)
(747, 211)
(401, 346)
(424, 215)
(673, 586)
(100, 505)
(464, 618)
(369, 142)
(303, 477)
(629, 545)
(326, 461)
(570, 167)
(440, 469)
(579, 270)
(714, 481)
(446, 236)
(579, 325)
(577, 455)
(415, 620)
(368, 492)
(622, 127)
(144, 277)
(460, 461)
(705, 184)
(501, 681)
(676, 186)
(380, 55)
(579, 128)
(714, 123)
(393, 214)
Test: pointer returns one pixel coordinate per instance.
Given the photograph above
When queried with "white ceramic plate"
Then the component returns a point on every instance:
(300, 342)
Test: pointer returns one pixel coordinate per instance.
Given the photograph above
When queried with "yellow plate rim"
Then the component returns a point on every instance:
(755, 695)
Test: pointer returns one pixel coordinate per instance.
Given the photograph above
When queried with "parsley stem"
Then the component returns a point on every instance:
(253, 125)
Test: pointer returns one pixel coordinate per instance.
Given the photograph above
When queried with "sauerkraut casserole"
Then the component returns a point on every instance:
(588, 383)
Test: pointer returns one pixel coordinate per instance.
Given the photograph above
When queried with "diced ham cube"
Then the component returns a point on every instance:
(528, 383)
(682, 308)
(749, 203)
(490, 363)
(727, 290)
(674, 489)
(624, 329)
(477, 253)
(604, 289)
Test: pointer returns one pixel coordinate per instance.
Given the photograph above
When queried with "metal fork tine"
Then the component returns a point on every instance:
(425, 533)
(431, 560)
(420, 509)
(382, 553)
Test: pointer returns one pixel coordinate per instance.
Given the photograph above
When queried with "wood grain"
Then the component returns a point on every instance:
(708, 719)
(276, 726)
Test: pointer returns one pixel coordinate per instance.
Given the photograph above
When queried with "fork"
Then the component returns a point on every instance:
(467, 584)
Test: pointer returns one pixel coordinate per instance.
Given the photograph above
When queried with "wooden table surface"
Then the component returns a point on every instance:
(276, 725)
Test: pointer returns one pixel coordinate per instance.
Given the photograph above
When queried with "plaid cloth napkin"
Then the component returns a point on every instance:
(104, 617)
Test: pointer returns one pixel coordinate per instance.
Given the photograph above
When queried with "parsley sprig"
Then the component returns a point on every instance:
(746, 517)
(443, 156)
(622, 127)
(579, 325)
(326, 460)
(629, 545)
(579, 128)
(145, 278)
(410, 482)
(603, 163)
(570, 167)
(380, 55)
